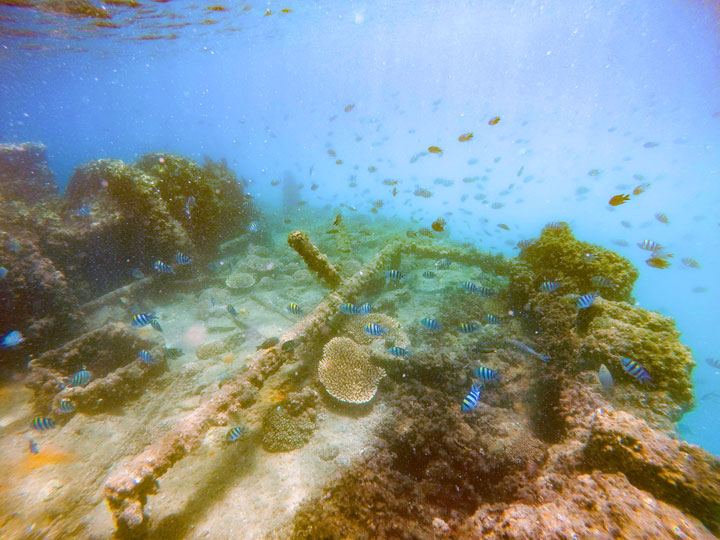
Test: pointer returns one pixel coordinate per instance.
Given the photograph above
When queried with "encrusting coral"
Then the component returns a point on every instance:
(290, 425)
(347, 372)
(314, 258)
(620, 330)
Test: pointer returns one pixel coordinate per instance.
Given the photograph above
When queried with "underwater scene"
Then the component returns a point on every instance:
(359, 270)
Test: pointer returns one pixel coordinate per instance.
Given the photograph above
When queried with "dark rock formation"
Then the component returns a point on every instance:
(24, 173)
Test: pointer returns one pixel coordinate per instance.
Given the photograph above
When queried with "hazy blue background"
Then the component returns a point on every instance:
(579, 85)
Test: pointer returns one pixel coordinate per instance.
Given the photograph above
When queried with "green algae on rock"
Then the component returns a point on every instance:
(619, 329)
(557, 255)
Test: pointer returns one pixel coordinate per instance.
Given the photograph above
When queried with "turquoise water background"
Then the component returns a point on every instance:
(578, 86)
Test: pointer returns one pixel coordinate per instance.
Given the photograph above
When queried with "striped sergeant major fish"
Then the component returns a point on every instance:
(471, 400)
(399, 351)
(603, 282)
(486, 374)
(586, 300)
(42, 423)
(650, 245)
(294, 308)
(430, 323)
(395, 275)
(492, 319)
(635, 369)
(235, 433)
(350, 309)
(163, 268)
(142, 319)
(146, 357)
(65, 406)
(375, 330)
(468, 328)
(469, 286)
(427, 274)
(550, 286)
(81, 378)
(182, 259)
(365, 308)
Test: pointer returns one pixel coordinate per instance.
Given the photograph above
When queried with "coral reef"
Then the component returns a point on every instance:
(314, 258)
(24, 173)
(354, 327)
(556, 255)
(347, 372)
(290, 425)
(620, 330)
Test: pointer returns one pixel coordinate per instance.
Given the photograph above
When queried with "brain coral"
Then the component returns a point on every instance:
(240, 280)
(347, 372)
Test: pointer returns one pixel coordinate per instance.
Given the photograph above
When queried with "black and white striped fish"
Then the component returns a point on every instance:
(375, 330)
(635, 369)
(471, 400)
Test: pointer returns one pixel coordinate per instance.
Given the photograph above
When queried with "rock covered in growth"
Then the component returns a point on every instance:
(556, 255)
(598, 506)
(679, 473)
(284, 430)
(221, 208)
(314, 258)
(620, 330)
(24, 173)
(102, 351)
(347, 372)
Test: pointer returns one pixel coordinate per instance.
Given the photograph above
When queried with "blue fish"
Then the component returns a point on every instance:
(636, 370)
(156, 325)
(142, 319)
(487, 374)
(235, 433)
(471, 400)
(492, 319)
(365, 308)
(146, 357)
(469, 286)
(294, 308)
(163, 268)
(231, 310)
(81, 378)
(468, 328)
(550, 286)
(442, 263)
(41, 423)
(586, 300)
(349, 309)
(182, 259)
(430, 323)
(427, 274)
(84, 210)
(11, 339)
(399, 351)
(65, 406)
(395, 275)
(33, 447)
(375, 330)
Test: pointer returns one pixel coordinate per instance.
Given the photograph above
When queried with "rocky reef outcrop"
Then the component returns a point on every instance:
(114, 219)
(24, 173)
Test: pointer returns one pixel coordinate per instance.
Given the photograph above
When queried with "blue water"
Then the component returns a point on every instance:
(578, 86)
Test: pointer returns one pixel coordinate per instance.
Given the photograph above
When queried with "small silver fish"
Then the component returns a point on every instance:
(606, 379)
